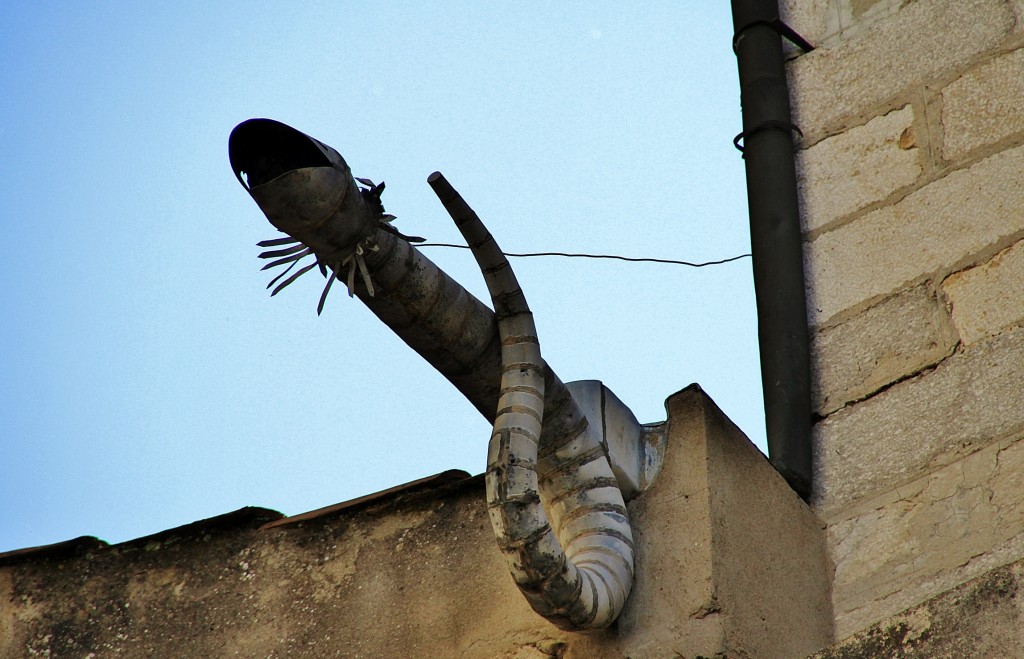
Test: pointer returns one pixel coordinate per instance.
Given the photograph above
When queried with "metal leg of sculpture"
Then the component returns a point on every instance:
(586, 585)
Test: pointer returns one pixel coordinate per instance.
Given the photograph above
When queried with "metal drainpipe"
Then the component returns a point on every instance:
(775, 237)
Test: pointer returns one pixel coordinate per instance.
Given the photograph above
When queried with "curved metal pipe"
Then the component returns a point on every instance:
(307, 191)
(585, 585)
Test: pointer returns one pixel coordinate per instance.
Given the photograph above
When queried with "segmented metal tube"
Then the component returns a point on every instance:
(586, 585)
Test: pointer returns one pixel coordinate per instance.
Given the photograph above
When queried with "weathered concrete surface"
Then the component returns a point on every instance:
(984, 106)
(989, 299)
(835, 88)
(927, 536)
(942, 227)
(843, 174)
(728, 560)
(382, 581)
(968, 401)
(766, 594)
(982, 618)
(896, 338)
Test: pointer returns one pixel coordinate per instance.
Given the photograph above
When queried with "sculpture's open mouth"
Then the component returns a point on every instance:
(306, 190)
(261, 150)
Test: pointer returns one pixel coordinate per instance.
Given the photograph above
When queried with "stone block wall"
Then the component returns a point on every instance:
(981, 618)
(912, 190)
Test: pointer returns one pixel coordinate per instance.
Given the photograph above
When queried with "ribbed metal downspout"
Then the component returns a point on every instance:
(775, 237)
(554, 503)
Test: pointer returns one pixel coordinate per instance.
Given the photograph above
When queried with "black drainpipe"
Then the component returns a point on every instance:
(775, 236)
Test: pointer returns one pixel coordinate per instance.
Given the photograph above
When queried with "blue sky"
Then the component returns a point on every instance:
(147, 379)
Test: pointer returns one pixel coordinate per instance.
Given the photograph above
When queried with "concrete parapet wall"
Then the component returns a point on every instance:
(729, 561)
(912, 190)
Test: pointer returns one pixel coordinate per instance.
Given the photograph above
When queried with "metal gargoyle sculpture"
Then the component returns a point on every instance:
(562, 459)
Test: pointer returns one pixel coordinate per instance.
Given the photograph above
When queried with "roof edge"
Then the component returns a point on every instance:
(417, 486)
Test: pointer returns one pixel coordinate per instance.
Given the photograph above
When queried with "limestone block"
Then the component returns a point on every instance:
(925, 537)
(981, 618)
(856, 16)
(937, 228)
(817, 21)
(896, 338)
(983, 106)
(919, 424)
(841, 175)
(988, 299)
(834, 87)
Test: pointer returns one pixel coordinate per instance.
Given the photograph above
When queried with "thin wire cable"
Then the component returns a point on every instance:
(601, 256)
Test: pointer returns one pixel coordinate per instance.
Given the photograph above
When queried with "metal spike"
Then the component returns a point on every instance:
(387, 217)
(293, 278)
(365, 273)
(366, 181)
(282, 252)
(293, 257)
(286, 271)
(327, 288)
(351, 278)
(287, 240)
